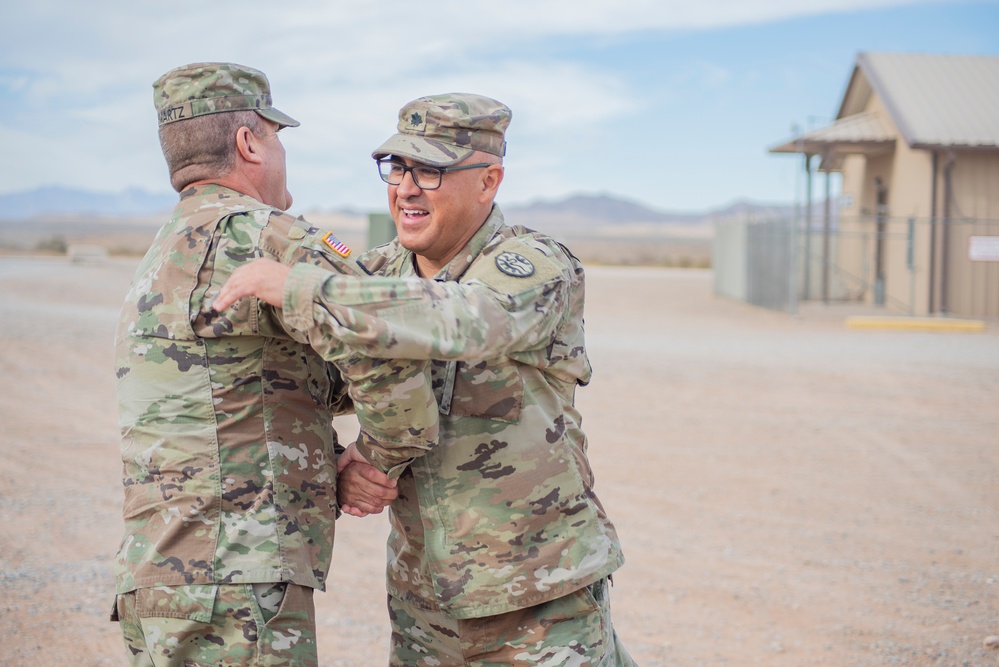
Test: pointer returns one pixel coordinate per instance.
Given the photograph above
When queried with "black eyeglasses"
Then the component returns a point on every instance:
(425, 177)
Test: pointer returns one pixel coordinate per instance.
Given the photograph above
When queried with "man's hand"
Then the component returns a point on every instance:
(361, 488)
(262, 278)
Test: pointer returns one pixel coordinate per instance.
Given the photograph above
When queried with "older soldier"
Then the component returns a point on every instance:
(227, 440)
(500, 552)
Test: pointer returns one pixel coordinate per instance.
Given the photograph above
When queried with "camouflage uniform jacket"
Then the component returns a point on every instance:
(501, 514)
(226, 432)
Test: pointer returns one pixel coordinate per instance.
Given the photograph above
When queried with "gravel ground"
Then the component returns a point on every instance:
(788, 491)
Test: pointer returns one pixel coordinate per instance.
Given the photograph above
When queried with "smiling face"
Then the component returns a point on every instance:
(436, 224)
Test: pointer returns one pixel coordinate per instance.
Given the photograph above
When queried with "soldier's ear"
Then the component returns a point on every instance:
(492, 176)
(248, 145)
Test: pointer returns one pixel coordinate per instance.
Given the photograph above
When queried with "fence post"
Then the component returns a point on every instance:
(826, 222)
(792, 272)
(808, 227)
(910, 263)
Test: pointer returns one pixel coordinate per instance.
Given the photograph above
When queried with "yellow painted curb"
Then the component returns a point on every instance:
(916, 324)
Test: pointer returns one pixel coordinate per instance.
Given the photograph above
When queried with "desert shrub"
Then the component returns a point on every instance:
(54, 245)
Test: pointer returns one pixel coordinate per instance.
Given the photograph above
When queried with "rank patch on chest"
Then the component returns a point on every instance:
(336, 245)
(514, 265)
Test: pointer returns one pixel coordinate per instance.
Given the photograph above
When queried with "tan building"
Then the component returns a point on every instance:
(916, 140)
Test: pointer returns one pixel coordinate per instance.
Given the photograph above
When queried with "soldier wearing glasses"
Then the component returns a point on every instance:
(500, 551)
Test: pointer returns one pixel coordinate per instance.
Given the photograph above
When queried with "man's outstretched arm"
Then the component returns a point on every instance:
(406, 318)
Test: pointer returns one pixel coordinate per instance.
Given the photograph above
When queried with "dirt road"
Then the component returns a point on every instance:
(788, 491)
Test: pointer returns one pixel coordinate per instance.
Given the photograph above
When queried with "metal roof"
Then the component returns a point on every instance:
(935, 101)
(859, 133)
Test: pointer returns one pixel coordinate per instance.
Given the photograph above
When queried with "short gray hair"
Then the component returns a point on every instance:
(203, 147)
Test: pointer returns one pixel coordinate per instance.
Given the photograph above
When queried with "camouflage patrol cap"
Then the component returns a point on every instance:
(441, 130)
(204, 88)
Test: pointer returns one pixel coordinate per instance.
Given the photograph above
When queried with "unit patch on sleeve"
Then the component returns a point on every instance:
(336, 245)
(514, 264)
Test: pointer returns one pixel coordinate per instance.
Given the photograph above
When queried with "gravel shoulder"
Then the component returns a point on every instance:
(788, 491)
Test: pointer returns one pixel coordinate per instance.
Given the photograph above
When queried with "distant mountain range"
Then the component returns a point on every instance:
(56, 200)
(578, 211)
(587, 211)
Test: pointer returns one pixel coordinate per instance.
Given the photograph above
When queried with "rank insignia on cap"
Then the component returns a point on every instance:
(417, 121)
(514, 265)
(336, 245)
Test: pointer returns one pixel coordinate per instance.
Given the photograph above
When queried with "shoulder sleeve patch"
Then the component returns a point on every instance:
(290, 240)
(514, 266)
(336, 245)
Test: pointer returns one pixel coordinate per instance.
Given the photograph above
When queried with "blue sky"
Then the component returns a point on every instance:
(670, 104)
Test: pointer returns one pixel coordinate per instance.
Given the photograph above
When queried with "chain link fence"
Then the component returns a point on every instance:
(908, 266)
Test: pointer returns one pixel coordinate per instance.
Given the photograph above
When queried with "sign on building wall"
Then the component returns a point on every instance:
(983, 248)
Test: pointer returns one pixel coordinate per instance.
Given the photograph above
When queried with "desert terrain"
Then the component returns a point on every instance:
(788, 491)
(604, 242)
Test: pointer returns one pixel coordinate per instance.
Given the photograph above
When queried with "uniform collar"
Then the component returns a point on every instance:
(220, 191)
(460, 263)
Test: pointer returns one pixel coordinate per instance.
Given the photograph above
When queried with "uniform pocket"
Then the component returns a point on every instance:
(195, 602)
(269, 598)
(488, 390)
(284, 607)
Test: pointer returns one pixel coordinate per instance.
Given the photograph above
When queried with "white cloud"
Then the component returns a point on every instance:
(76, 96)
(349, 123)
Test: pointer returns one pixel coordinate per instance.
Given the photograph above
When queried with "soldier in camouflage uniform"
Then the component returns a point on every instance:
(226, 420)
(500, 552)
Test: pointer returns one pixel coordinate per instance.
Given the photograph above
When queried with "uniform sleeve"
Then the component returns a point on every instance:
(294, 241)
(413, 318)
(392, 398)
